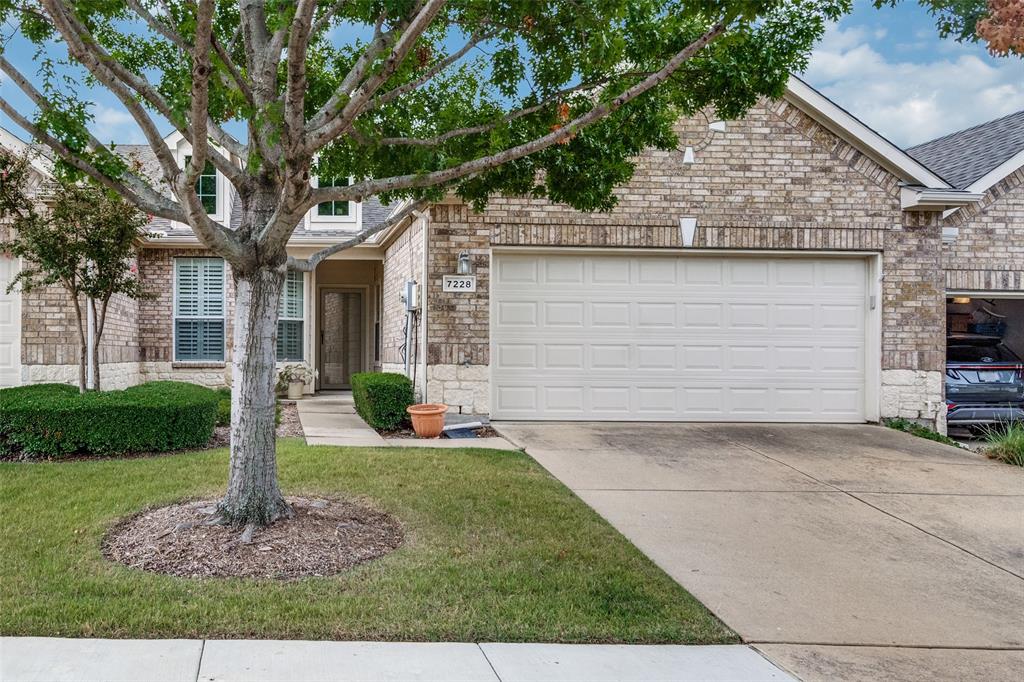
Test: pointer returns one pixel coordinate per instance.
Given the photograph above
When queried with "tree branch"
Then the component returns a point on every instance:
(75, 35)
(437, 68)
(295, 87)
(333, 126)
(309, 264)
(476, 166)
(507, 118)
(201, 69)
(129, 185)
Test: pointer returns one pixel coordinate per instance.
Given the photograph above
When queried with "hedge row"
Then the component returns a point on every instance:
(381, 398)
(55, 420)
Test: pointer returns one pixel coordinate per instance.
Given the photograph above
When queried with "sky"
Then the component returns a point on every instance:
(888, 67)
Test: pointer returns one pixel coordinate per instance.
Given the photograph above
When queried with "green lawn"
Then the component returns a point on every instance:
(496, 550)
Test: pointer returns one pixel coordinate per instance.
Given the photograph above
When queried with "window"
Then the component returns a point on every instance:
(206, 186)
(333, 208)
(199, 309)
(290, 319)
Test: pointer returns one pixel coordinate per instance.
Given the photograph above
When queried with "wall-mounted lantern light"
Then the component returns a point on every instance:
(465, 265)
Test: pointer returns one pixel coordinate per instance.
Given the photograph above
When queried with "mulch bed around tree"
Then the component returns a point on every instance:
(323, 537)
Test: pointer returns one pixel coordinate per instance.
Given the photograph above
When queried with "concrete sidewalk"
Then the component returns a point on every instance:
(41, 659)
(331, 419)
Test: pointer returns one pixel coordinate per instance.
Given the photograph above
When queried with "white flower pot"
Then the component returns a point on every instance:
(295, 389)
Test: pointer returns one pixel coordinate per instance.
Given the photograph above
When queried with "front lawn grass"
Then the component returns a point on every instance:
(495, 550)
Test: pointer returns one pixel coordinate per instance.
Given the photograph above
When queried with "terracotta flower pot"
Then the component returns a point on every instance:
(427, 419)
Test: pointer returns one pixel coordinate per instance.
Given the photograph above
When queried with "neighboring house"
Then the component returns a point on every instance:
(789, 266)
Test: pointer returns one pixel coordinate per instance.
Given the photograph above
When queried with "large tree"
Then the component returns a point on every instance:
(412, 99)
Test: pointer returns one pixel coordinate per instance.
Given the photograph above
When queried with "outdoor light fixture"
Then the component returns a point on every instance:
(961, 299)
(465, 266)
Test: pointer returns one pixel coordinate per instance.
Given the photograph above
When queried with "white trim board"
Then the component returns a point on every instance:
(844, 124)
(986, 181)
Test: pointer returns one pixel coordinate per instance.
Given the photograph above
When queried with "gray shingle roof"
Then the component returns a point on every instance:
(964, 156)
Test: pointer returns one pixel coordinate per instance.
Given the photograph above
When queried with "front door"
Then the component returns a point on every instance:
(341, 337)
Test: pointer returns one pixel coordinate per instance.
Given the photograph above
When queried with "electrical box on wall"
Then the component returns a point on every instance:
(411, 295)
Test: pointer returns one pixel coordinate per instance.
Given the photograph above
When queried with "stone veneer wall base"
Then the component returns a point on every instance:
(916, 395)
(464, 388)
(113, 375)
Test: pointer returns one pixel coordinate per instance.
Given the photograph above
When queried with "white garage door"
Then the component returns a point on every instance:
(10, 326)
(678, 338)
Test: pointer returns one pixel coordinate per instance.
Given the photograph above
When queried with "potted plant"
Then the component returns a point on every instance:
(295, 377)
(427, 419)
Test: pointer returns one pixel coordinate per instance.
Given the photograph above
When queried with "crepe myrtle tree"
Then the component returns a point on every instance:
(83, 240)
(410, 99)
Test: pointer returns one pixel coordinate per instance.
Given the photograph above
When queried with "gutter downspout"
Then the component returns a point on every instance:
(424, 217)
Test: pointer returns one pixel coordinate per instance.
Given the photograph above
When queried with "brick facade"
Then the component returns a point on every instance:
(775, 180)
(988, 251)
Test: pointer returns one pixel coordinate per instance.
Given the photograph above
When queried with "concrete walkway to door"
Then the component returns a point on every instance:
(841, 552)
(331, 419)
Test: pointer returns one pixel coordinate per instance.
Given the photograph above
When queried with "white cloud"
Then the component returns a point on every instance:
(911, 102)
(115, 125)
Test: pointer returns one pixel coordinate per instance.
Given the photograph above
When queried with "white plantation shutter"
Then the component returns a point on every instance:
(199, 309)
(291, 313)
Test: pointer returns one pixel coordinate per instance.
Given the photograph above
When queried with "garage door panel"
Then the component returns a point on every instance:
(679, 338)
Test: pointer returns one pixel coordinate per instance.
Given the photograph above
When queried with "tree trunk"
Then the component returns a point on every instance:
(100, 317)
(254, 496)
(82, 351)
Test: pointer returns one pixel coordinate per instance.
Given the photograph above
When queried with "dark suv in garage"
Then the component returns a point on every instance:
(984, 382)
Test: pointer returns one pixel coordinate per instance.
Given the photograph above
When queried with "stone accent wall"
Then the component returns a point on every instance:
(113, 375)
(988, 253)
(774, 180)
(464, 388)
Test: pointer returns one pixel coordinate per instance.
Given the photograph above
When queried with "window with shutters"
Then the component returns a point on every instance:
(199, 309)
(291, 316)
(206, 186)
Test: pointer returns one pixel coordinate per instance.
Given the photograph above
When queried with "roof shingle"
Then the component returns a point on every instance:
(965, 156)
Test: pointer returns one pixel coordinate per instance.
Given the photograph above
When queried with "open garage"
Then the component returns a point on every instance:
(984, 349)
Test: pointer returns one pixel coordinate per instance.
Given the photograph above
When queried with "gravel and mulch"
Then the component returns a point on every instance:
(492, 549)
(323, 537)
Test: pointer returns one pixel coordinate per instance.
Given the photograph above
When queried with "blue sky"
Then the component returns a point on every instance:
(890, 69)
(886, 66)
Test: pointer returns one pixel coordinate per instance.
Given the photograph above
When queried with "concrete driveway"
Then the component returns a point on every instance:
(842, 552)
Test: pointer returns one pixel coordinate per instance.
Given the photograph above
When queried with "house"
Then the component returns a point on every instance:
(793, 266)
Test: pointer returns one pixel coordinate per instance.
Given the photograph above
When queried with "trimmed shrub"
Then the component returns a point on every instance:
(55, 420)
(224, 406)
(381, 398)
(1006, 443)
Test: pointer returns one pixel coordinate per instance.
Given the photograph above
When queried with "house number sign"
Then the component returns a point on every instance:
(459, 283)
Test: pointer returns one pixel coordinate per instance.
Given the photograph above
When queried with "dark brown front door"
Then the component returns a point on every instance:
(341, 337)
